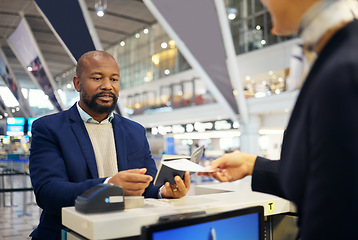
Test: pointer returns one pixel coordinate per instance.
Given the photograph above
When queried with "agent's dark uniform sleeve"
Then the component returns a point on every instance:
(265, 177)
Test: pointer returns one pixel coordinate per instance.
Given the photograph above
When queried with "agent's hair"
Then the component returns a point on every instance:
(82, 60)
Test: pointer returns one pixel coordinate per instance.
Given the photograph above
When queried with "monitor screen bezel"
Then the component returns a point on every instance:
(147, 231)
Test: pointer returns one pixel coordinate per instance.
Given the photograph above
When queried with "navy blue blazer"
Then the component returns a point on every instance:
(318, 169)
(63, 164)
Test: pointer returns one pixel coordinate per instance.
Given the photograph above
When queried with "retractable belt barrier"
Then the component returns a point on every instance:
(12, 172)
(9, 169)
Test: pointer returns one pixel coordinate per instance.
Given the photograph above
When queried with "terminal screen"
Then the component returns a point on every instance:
(244, 226)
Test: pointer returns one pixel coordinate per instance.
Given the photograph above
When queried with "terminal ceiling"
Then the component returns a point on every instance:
(122, 19)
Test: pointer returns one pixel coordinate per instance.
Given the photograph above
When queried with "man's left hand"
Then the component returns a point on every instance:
(177, 190)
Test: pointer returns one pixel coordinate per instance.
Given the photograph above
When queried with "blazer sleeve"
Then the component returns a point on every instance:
(265, 177)
(151, 191)
(57, 181)
(139, 154)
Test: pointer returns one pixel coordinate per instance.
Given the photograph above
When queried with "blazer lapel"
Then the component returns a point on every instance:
(120, 142)
(83, 139)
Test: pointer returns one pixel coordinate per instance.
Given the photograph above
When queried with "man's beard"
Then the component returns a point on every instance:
(94, 106)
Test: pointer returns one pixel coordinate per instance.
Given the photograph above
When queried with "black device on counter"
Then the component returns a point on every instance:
(101, 198)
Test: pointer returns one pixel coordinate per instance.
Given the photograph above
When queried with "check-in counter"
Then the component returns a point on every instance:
(211, 198)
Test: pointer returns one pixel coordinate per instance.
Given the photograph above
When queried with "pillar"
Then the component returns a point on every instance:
(249, 138)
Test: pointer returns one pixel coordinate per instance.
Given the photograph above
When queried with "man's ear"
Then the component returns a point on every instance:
(76, 83)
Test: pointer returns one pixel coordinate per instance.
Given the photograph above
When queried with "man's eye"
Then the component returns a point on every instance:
(96, 78)
(114, 79)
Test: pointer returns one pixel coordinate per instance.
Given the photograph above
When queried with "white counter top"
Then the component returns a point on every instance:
(212, 198)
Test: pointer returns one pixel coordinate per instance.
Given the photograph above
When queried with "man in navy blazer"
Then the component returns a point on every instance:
(63, 160)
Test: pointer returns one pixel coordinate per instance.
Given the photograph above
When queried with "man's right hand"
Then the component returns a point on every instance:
(133, 181)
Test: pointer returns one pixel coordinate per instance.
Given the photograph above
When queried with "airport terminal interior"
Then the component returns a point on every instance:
(163, 87)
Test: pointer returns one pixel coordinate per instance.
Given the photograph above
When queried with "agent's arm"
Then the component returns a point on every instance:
(233, 166)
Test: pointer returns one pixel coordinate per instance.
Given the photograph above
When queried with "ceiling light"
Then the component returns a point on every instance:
(155, 59)
(189, 127)
(164, 45)
(236, 125)
(122, 43)
(178, 128)
(222, 125)
(100, 6)
(145, 31)
(29, 68)
(208, 135)
(171, 43)
(155, 131)
(271, 131)
(231, 13)
(100, 12)
(260, 95)
(137, 35)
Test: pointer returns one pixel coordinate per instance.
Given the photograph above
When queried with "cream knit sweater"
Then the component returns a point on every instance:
(102, 139)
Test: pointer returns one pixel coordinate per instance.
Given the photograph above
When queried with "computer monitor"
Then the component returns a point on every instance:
(243, 224)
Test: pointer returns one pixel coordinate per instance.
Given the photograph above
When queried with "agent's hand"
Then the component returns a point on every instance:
(177, 190)
(133, 181)
(231, 167)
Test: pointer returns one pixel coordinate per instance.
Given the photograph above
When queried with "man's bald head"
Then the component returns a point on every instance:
(81, 62)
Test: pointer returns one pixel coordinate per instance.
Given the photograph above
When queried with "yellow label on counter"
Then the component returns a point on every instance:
(270, 207)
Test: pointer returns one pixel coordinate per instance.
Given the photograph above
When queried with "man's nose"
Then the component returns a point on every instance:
(106, 83)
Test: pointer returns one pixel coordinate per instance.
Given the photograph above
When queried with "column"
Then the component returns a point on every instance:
(249, 138)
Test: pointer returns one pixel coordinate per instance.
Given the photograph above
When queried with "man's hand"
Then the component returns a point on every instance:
(133, 181)
(177, 190)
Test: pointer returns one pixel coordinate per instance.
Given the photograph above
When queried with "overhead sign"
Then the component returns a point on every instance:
(4, 110)
(78, 39)
(15, 126)
(8, 77)
(24, 46)
(74, 29)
